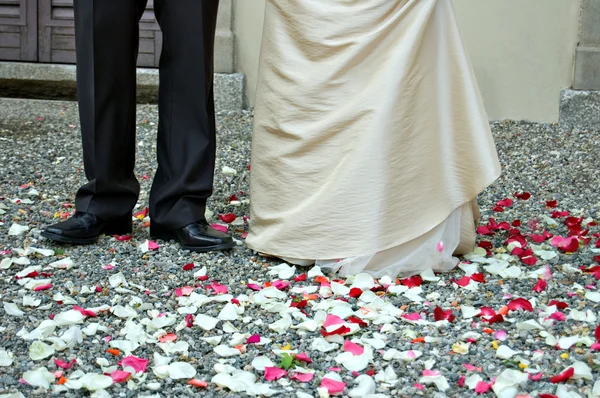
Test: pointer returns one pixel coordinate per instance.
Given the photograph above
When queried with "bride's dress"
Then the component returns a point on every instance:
(371, 142)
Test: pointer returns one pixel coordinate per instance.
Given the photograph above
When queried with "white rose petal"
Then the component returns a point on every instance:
(124, 312)
(71, 317)
(90, 381)
(39, 350)
(26, 271)
(366, 386)
(529, 325)
(117, 280)
(562, 391)
(181, 370)
(104, 393)
(205, 322)
(596, 389)
(226, 351)
(506, 382)
(40, 377)
(213, 340)
(260, 363)
(65, 263)
(202, 272)
(228, 313)
(363, 282)
(282, 325)
(593, 296)
(440, 382)
(30, 301)
(72, 337)
(12, 309)
(322, 345)
(160, 360)
(469, 312)
(238, 382)
(43, 252)
(228, 170)
(429, 276)
(582, 371)
(6, 358)
(505, 352)
(6, 262)
(283, 271)
(339, 289)
(16, 229)
(567, 342)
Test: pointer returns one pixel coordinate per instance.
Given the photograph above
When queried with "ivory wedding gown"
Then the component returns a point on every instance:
(371, 141)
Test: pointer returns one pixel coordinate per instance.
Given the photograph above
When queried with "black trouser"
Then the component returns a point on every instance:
(107, 35)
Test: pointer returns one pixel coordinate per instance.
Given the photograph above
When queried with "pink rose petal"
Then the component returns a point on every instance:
(273, 373)
(219, 289)
(138, 364)
(255, 338)
(332, 320)
(558, 316)
(536, 377)
(428, 372)
(253, 286)
(303, 377)
(415, 316)
(281, 285)
(332, 386)
(419, 386)
(500, 335)
(120, 376)
(220, 227)
(65, 365)
(482, 387)
(39, 288)
(303, 357)
(85, 312)
(354, 348)
(152, 245)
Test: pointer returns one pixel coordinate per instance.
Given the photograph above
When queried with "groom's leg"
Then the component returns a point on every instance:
(186, 130)
(107, 37)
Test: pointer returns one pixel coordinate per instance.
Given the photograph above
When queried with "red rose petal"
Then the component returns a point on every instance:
(567, 374)
(227, 218)
(540, 286)
(520, 303)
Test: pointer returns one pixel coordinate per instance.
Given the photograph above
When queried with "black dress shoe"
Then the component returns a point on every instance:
(197, 237)
(86, 228)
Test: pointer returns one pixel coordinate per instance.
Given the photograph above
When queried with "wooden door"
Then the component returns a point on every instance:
(18, 30)
(57, 34)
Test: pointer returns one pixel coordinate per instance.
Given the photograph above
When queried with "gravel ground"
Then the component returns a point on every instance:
(410, 347)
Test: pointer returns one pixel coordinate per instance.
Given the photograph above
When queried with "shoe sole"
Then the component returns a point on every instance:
(198, 249)
(114, 230)
(65, 239)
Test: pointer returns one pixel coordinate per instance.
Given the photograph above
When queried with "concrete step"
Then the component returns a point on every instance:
(57, 82)
(580, 109)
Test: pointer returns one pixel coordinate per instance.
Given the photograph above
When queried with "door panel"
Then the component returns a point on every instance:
(57, 34)
(18, 30)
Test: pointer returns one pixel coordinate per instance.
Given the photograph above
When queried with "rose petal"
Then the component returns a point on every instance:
(273, 373)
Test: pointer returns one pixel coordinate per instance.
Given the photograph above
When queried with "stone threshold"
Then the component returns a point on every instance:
(57, 82)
